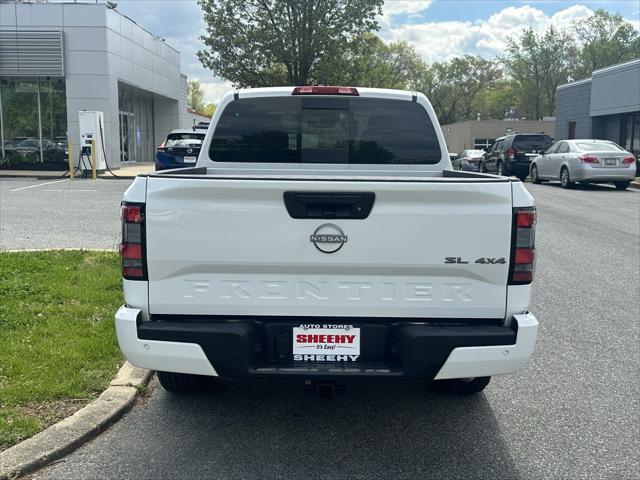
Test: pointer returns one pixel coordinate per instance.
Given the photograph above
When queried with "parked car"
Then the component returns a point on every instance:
(180, 149)
(63, 143)
(33, 145)
(585, 161)
(468, 160)
(512, 154)
(324, 236)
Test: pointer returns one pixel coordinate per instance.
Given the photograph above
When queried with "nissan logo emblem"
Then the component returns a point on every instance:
(328, 238)
(189, 150)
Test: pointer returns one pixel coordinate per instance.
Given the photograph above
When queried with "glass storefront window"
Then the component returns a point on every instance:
(136, 124)
(34, 122)
(54, 120)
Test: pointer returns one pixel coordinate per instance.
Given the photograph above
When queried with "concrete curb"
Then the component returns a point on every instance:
(67, 435)
(635, 185)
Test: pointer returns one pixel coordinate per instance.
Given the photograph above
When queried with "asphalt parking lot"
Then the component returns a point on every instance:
(572, 413)
(78, 213)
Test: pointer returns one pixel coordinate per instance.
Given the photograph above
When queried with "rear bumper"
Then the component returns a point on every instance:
(603, 174)
(519, 167)
(164, 161)
(247, 348)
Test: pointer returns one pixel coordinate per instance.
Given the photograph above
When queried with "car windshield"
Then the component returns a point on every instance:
(325, 129)
(531, 142)
(184, 140)
(598, 147)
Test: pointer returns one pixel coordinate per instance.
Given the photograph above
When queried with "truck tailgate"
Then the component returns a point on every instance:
(219, 246)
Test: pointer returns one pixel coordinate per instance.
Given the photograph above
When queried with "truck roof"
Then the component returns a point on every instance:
(362, 92)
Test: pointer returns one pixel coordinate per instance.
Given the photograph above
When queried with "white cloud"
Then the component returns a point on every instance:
(439, 41)
(564, 18)
(214, 91)
(407, 7)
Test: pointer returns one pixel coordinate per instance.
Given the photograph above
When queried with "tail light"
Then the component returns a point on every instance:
(161, 146)
(588, 159)
(511, 152)
(523, 252)
(628, 160)
(310, 90)
(132, 248)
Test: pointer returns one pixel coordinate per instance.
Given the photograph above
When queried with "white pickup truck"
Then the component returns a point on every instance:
(323, 235)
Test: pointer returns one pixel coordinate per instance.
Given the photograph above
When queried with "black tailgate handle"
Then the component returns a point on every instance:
(329, 205)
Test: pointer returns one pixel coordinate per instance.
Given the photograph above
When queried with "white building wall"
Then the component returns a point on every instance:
(138, 58)
(184, 117)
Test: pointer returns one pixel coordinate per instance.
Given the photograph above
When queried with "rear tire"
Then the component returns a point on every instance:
(622, 185)
(464, 386)
(522, 177)
(534, 175)
(183, 382)
(565, 180)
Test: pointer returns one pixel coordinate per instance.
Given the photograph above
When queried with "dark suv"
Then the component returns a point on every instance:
(512, 154)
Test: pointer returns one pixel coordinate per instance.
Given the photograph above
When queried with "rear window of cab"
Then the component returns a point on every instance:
(325, 129)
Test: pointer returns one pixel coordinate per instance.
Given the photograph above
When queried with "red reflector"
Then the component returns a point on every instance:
(132, 272)
(522, 276)
(131, 251)
(628, 160)
(524, 256)
(322, 90)
(525, 218)
(131, 214)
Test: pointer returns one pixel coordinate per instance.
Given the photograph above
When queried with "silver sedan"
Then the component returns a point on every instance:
(586, 161)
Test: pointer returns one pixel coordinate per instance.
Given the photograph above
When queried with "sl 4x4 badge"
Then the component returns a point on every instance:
(481, 260)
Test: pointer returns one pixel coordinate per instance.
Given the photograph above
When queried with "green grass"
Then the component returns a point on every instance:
(58, 347)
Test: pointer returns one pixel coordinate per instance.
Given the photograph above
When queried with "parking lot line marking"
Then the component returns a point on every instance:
(38, 185)
(67, 190)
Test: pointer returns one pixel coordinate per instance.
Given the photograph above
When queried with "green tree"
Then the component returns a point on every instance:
(369, 62)
(438, 84)
(209, 109)
(255, 43)
(606, 39)
(195, 96)
(472, 76)
(454, 87)
(496, 100)
(538, 64)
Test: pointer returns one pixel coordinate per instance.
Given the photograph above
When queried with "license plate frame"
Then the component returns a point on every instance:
(326, 343)
(610, 162)
(190, 159)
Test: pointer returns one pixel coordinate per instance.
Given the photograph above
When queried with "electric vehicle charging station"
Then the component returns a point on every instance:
(92, 140)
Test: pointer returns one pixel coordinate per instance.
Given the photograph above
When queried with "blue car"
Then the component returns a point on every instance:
(180, 149)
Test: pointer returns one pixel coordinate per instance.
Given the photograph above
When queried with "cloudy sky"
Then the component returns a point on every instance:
(439, 29)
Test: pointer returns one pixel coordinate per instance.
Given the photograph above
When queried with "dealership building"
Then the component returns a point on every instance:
(480, 134)
(605, 106)
(57, 59)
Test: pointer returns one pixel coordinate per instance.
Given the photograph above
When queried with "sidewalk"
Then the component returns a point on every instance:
(126, 171)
